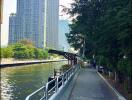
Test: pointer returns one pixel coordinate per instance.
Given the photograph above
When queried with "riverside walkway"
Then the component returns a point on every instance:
(88, 85)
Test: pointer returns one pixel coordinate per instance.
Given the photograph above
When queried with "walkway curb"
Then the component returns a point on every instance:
(120, 97)
(29, 63)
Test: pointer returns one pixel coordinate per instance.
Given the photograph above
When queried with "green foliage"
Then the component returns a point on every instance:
(45, 54)
(26, 42)
(41, 54)
(124, 65)
(102, 61)
(24, 50)
(20, 51)
(6, 52)
(105, 25)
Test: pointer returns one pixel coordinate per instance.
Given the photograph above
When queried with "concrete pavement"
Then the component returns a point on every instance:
(90, 86)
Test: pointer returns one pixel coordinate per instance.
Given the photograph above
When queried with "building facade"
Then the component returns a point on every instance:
(12, 27)
(29, 21)
(52, 24)
(36, 21)
(62, 40)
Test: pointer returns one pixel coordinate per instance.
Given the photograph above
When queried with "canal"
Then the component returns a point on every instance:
(17, 82)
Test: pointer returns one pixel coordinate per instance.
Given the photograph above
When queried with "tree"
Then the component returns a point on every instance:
(106, 27)
(26, 42)
(20, 51)
(84, 27)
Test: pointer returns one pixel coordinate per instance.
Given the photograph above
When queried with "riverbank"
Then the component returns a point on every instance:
(12, 62)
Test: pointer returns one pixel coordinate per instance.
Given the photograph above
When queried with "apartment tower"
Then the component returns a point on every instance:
(29, 22)
(52, 24)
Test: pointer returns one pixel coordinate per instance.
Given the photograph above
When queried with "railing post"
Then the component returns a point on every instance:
(66, 76)
(72, 70)
(63, 80)
(46, 92)
(56, 84)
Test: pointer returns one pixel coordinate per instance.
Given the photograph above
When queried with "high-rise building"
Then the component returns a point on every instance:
(37, 21)
(29, 21)
(12, 27)
(52, 24)
(63, 28)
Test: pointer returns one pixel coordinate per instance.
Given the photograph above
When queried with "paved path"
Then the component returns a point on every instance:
(90, 86)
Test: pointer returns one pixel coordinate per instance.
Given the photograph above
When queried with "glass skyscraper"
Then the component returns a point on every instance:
(62, 40)
(36, 21)
(52, 24)
(29, 22)
(12, 27)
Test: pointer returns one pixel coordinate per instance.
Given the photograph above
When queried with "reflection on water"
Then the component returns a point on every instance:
(18, 82)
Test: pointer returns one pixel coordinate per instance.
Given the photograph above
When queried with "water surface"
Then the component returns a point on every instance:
(18, 82)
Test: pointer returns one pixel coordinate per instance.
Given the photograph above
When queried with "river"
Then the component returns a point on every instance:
(17, 82)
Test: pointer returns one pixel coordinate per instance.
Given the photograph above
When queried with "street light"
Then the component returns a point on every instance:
(124, 57)
(83, 55)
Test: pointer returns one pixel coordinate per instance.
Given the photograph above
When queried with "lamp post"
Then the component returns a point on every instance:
(83, 55)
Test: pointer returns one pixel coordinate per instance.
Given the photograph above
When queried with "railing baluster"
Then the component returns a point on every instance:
(57, 83)
(66, 76)
(46, 91)
(63, 80)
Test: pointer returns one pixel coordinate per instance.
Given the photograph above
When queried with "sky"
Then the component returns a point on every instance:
(10, 7)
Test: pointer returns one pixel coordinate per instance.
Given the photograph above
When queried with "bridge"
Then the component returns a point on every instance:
(76, 84)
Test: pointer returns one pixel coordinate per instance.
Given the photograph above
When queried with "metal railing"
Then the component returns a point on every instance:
(53, 86)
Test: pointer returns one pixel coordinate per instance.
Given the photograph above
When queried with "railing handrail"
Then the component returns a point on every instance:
(64, 78)
(27, 98)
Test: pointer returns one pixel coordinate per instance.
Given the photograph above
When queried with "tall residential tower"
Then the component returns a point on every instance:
(52, 23)
(36, 21)
(29, 22)
(12, 28)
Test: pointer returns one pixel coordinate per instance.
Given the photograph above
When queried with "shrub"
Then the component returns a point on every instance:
(6, 52)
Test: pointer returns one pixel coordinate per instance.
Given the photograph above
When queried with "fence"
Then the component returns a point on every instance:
(53, 86)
